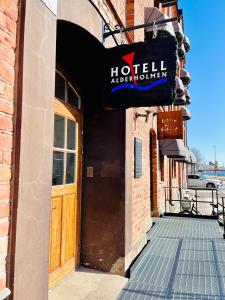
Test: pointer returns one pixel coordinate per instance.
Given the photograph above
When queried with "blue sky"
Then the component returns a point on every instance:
(204, 25)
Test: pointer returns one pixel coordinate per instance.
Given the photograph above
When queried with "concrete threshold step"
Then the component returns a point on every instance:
(88, 284)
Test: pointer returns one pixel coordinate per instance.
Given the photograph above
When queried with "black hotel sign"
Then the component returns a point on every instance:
(141, 74)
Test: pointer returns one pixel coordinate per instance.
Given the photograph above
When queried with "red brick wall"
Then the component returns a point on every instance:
(154, 172)
(141, 186)
(120, 7)
(140, 196)
(8, 28)
(130, 15)
(139, 10)
(131, 12)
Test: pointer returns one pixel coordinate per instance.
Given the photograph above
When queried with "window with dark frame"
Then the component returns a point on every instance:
(65, 135)
(64, 151)
(137, 158)
(65, 92)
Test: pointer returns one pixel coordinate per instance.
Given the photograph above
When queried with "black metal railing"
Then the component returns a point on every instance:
(196, 202)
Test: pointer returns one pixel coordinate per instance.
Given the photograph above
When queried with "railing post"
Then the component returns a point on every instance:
(180, 199)
(217, 201)
(165, 199)
(196, 201)
(212, 200)
(223, 219)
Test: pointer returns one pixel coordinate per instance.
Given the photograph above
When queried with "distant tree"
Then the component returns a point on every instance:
(200, 161)
(199, 157)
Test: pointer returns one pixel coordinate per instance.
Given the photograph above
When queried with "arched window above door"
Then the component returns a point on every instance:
(64, 91)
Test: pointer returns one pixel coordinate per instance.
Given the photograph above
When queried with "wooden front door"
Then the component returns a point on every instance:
(65, 200)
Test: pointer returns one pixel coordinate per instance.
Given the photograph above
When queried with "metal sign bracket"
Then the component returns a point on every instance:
(107, 32)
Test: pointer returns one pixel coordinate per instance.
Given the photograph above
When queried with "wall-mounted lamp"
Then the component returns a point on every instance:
(146, 115)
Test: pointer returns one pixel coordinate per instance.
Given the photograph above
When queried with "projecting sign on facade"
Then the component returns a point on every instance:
(170, 125)
(141, 74)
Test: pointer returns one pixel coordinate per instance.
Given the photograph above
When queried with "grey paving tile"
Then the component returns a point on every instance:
(139, 291)
(185, 259)
(156, 249)
(207, 285)
(186, 227)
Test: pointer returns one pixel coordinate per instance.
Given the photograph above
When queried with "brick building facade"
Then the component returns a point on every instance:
(109, 235)
(8, 46)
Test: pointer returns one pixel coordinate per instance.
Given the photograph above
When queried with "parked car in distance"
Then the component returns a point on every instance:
(196, 180)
